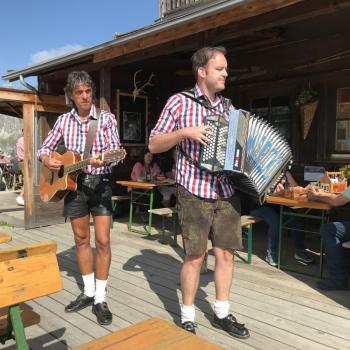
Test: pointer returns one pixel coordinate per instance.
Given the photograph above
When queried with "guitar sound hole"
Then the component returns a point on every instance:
(61, 171)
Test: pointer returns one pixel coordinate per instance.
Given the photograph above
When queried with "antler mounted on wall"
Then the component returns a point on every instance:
(137, 90)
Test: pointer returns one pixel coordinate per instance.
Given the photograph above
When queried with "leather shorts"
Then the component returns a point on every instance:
(93, 196)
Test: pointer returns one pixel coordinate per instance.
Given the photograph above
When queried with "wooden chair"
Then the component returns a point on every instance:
(26, 272)
(4, 238)
(150, 334)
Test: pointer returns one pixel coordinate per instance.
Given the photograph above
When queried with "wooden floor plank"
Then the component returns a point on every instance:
(282, 310)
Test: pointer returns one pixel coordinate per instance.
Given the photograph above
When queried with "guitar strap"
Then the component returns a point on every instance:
(91, 134)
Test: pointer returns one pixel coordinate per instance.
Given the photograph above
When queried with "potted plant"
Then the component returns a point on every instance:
(306, 96)
(307, 101)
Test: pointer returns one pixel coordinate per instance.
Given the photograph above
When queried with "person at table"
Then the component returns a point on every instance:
(20, 158)
(207, 203)
(333, 235)
(270, 215)
(168, 192)
(93, 195)
(145, 169)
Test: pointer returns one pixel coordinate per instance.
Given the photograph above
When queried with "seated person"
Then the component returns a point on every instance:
(270, 215)
(168, 191)
(145, 166)
(333, 235)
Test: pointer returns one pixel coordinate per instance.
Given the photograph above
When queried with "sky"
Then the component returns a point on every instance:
(37, 30)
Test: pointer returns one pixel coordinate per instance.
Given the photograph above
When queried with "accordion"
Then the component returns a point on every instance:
(247, 149)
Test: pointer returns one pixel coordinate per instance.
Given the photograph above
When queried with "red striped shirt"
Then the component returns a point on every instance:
(182, 112)
(73, 132)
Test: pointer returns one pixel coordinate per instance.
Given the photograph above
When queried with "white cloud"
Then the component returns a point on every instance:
(46, 55)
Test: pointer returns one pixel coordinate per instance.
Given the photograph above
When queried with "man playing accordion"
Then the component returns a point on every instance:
(207, 203)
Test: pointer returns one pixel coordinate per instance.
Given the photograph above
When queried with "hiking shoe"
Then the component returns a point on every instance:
(303, 256)
(189, 326)
(231, 326)
(330, 284)
(271, 259)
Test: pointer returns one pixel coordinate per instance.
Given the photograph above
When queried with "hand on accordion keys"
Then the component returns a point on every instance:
(199, 134)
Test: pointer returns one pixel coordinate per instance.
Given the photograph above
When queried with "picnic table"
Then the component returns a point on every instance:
(142, 194)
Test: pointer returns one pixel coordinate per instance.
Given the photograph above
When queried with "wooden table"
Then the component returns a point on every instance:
(4, 238)
(150, 334)
(300, 209)
(142, 193)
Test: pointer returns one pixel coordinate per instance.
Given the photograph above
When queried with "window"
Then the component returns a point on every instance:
(275, 110)
(342, 133)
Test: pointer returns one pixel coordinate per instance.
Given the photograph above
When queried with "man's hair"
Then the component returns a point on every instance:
(202, 56)
(75, 78)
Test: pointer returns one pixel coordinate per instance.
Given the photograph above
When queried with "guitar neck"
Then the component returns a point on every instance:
(107, 157)
(76, 166)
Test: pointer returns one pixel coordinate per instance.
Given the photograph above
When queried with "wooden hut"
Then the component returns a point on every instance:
(277, 50)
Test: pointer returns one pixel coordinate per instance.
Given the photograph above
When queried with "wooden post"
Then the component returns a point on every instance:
(29, 159)
(105, 88)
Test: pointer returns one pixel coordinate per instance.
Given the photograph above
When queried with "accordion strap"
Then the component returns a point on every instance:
(204, 102)
(187, 157)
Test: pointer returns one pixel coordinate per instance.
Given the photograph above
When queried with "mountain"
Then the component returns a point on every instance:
(10, 131)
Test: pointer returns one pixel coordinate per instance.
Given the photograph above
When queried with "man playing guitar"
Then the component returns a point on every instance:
(93, 193)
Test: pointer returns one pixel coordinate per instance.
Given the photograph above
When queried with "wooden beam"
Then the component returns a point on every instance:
(29, 160)
(235, 14)
(14, 110)
(52, 108)
(28, 97)
(105, 88)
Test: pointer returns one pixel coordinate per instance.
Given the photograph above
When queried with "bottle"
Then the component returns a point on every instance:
(148, 175)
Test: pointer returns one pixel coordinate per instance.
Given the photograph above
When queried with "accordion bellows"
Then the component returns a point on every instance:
(247, 149)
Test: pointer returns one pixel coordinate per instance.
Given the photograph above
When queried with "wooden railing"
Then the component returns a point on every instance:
(170, 6)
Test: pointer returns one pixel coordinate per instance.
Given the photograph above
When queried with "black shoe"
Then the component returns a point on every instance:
(231, 326)
(104, 316)
(79, 303)
(331, 284)
(189, 326)
(303, 256)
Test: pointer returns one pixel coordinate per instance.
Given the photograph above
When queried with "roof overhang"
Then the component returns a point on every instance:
(198, 19)
(12, 100)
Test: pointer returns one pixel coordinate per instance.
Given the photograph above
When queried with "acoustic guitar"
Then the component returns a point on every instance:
(54, 185)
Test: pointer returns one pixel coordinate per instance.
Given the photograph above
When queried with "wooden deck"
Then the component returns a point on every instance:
(281, 310)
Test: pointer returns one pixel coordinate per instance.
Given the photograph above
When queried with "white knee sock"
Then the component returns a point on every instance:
(100, 294)
(89, 284)
(221, 308)
(187, 313)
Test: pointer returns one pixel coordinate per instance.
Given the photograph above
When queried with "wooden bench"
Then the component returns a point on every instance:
(247, 222)
(115, 201)
(4, 238)
(346, 244)
(167, 213)
(150, 334)
(26, 272)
